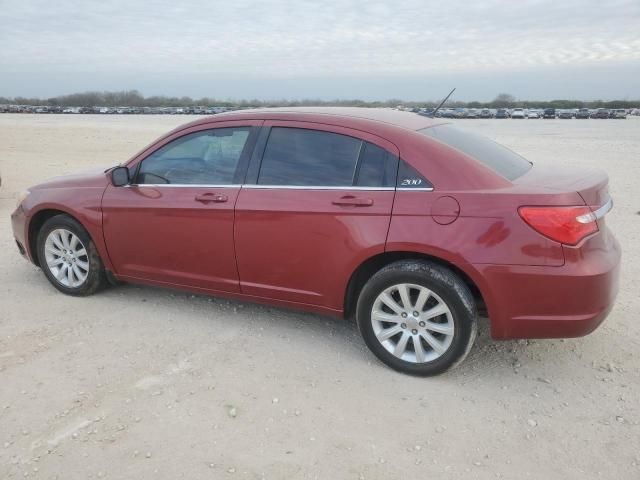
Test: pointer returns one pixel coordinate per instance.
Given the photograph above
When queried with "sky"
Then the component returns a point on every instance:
(332, 49)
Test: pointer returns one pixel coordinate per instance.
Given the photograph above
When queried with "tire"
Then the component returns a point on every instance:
(445, 326)
(80, 256)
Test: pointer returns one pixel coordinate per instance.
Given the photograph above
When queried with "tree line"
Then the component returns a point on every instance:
(133, 98)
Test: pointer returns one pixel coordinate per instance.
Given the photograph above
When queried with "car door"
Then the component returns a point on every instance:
(174, 223)
(317, 202)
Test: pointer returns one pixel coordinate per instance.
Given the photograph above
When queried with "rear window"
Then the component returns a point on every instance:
(500, 159)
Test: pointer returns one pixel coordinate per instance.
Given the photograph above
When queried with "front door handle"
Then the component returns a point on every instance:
(352, 201)
(211, 197)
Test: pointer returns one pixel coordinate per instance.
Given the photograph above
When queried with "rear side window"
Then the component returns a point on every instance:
(302, 157)
(500, 159)
(377, 167)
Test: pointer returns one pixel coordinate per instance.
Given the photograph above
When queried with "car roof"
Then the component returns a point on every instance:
(335, 115)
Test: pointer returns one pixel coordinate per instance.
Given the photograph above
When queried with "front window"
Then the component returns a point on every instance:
(209, 157)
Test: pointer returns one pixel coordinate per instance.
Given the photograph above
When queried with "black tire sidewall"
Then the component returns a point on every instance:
(443, 283)
(96, 269)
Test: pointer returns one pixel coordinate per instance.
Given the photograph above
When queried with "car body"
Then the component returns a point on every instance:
(533, 114)
(460, 113)
(602, 113)
(518, 113)
(583, 113)
(502, 113)
(549, 113)
(565, 114)
(263, 206)
(618, 113)
(486, 113)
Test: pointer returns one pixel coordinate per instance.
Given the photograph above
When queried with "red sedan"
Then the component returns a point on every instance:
(407, 223)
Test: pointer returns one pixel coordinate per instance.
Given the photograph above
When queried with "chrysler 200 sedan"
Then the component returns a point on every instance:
(406, 223)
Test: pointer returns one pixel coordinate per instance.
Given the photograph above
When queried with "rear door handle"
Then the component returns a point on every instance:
(352, 201)
(211, 197)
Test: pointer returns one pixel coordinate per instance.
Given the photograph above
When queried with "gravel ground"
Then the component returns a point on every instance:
(137, 382)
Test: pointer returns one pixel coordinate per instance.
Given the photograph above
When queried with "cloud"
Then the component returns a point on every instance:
(289, 39)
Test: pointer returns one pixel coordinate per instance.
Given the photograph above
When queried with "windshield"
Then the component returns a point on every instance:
(500, 159)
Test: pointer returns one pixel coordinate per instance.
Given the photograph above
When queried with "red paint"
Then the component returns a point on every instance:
(300, 248)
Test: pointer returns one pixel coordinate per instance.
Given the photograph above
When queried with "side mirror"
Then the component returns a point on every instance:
(120, 176)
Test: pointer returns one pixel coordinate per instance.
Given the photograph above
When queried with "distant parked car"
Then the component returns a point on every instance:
(602, 113)
(583, 113)
(460, 113)
(473, 113)
(502, 113)
(486, 113)
(565, 114)
(533, 114)
(549, 113)
(619, 113)
(518, 113)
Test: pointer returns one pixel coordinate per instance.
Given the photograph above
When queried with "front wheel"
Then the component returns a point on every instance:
(68, 257)
(417, 317)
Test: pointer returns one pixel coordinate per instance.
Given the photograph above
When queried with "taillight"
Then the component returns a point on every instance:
(566, 225)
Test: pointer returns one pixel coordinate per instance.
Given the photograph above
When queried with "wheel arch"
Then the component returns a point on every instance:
(371, 265)
(36, 222)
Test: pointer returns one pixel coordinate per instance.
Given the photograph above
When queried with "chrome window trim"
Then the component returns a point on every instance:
(315, 187)
(286, 187)
(176, 185)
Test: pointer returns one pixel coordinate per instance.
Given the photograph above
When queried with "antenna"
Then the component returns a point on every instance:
(433, 114)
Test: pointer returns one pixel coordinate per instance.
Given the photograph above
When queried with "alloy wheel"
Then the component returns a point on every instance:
(67, 258)
(412, 323)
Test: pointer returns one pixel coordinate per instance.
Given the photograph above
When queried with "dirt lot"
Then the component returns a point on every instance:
(137, 382)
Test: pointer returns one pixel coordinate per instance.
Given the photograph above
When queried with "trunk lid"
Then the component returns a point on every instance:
(591, 185)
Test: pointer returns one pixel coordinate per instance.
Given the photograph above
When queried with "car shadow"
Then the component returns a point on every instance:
(488, 358)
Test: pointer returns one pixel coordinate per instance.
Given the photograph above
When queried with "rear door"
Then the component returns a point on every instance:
(316, 203)
(174, 223)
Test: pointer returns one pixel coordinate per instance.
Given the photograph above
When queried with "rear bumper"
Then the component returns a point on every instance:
(553, 302)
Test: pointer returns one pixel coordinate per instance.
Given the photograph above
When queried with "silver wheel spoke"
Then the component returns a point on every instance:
(82, 265)
(419, 349)
(443, 328)
(436, 311)
(64, 238)
(422, 299)
(388, 332)
(401, 346)
(74, 241)
(70, 276)
(434, 342)
(61, 272)
(390, 302)
(57, 241)
(81, 253)
(403, 290)
(385, 317)
(55, 262)
(77, 272)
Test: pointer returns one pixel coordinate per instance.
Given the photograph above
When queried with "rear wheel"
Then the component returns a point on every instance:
(417, 317)
(68, 257)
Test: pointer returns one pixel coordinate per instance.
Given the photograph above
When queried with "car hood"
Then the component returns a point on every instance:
(95, 177)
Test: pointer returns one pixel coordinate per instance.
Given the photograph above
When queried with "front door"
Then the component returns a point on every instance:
(174, 223)
(319, 203)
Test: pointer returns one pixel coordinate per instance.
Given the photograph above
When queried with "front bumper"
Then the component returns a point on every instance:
(553, 302)
(19, 224)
